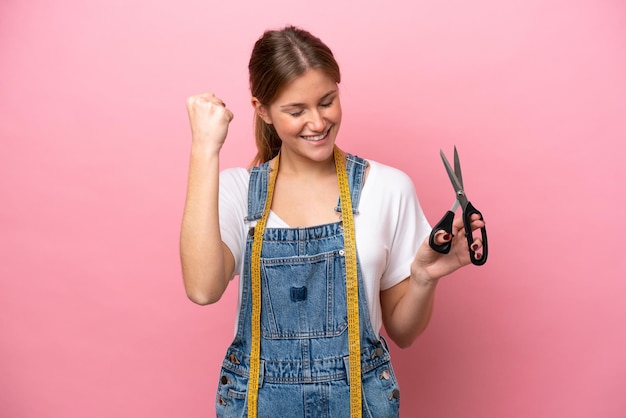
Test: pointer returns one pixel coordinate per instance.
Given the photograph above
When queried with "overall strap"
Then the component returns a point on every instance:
(355, 168)
(259, 181)
(257, 191)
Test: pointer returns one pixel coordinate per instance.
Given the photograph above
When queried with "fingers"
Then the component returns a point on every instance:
(209, 120)
(459, 234)
(476, 223)
(442, 237)
(457, 225)
(206, 97)
(203, 100)
(207, 103)
(464, 247)
(477, 249)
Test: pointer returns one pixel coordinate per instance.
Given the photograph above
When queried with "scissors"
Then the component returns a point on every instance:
(445, 224)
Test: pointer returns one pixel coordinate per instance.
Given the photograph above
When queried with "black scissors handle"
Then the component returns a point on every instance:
(445, 224)
(467, 222)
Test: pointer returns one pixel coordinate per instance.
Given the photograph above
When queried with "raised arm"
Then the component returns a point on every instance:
(207, 263)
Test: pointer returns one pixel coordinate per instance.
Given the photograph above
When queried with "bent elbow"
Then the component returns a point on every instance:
(204, 295)
(203, 288)
(202, 298)
(403, 341)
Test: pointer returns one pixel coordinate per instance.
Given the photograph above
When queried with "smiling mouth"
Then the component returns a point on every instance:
(315, 138)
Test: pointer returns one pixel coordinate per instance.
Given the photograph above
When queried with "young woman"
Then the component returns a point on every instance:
(328, 246)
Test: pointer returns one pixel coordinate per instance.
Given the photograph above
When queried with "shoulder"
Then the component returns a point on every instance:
(388, 179)
(234, 183)
(235, 176)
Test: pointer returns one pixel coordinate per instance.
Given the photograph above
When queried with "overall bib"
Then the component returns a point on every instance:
(304, 319)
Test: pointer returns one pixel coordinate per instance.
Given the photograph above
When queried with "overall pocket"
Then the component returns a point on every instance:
(300, 297)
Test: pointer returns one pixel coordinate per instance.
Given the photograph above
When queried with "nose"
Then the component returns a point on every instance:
(316, 121)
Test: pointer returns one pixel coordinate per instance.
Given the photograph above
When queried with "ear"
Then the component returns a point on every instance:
(261, 110)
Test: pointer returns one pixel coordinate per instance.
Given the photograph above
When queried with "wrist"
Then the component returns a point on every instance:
(204, 150)
(422, 278)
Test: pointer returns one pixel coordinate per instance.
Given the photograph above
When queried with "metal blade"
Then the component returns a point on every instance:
(457, 167)
(456, 184)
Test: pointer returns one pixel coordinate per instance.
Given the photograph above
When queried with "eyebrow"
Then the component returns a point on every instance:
(330, 93)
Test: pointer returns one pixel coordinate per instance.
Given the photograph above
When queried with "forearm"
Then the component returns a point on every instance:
(410, 315)
(201, 249)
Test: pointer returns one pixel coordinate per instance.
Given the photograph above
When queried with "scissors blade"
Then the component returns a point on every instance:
(456, 184)
(457, 167)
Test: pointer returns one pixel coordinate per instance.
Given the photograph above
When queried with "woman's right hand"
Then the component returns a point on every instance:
(209, 119)
(207, 263)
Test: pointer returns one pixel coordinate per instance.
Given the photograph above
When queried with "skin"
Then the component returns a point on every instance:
(305, 194)
(306, 187)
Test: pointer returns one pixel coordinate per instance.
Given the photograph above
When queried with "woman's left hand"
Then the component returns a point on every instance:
(430, 266)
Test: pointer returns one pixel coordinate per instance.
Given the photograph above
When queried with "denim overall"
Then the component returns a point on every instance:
(304, 368)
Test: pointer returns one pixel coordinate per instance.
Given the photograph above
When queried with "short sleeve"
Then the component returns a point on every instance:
(409, 228)
(233, 192)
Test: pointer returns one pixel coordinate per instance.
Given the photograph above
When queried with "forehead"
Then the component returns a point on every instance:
(311, 86)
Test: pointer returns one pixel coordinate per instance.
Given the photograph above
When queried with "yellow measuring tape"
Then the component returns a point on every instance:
(352, 285)
(352, 290)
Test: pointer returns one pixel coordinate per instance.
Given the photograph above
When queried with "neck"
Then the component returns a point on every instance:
(297, 166)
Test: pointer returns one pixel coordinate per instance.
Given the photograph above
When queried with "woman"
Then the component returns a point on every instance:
(328, 246)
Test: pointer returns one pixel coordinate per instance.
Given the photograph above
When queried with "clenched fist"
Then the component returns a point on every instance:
(209, 119)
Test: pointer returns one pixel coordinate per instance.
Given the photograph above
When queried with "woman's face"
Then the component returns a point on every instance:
(306, 116)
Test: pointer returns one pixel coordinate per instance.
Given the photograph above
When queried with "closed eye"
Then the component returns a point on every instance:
(324, 104)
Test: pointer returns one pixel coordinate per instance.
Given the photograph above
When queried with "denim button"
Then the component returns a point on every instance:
(385, 375)
(224, 380)
(233, 359)
(395, 394)
(341, 252)
(377, 353)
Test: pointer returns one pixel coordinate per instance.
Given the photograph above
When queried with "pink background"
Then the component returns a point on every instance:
(94, 147)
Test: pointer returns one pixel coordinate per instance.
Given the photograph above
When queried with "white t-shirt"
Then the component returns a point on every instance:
(389, 227)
